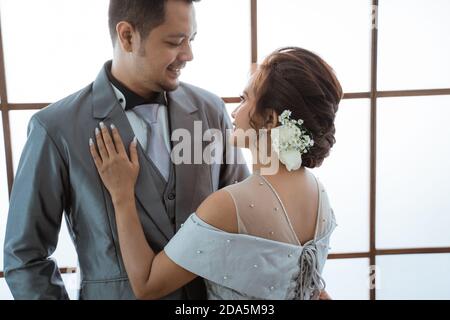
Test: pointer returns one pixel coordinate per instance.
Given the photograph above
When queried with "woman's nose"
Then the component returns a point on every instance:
(233, 114)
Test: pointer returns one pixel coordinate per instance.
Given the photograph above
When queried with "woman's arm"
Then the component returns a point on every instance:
(151, 276)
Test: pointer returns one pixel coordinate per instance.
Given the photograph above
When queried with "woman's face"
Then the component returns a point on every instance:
(241, 118)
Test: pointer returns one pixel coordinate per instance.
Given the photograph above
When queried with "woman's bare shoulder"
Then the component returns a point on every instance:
(219, 211)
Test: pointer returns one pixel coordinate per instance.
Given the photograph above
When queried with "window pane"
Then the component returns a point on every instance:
(19, 124)
(413, 54)
(346, 176)
(413, 277)
(339, 31)
(5, 294)
(413, 180)
(3, 195)
(65, 252)
(347, 279)
(72, 284)
(222, 47)
(49, 53)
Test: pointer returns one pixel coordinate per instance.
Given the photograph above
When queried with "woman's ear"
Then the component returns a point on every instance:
(272, 120)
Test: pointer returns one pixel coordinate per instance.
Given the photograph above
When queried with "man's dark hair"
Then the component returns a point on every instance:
(144, 15)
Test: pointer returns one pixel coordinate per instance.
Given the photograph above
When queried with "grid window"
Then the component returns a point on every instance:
(413, 207)
(347, 279)
(339, 31)
(45, 47)
(221, 48)
(413, 46)
(414, 277)
(346, 175)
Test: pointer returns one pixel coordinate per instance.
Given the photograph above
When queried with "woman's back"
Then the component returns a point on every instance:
(264, 260)
(299, 194)
(277, 208)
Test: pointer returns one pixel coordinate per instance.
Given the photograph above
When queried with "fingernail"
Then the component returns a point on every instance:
(102, 125)
(91, 142)
(113, 126)
(97, 131)
(135, 141)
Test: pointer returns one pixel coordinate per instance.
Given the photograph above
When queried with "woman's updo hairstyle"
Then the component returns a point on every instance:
(299, 80)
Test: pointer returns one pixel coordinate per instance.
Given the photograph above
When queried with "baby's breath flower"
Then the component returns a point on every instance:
(291, 140)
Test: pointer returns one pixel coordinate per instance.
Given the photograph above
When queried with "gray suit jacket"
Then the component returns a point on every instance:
(57, 176)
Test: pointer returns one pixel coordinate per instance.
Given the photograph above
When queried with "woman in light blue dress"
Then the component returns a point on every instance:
(266, 237)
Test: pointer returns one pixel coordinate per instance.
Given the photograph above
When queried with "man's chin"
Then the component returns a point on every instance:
(171, 85)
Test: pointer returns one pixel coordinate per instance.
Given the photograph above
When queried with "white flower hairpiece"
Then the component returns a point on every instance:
(291, 140)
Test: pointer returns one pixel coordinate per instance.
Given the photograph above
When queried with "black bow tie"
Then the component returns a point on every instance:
(131, 102)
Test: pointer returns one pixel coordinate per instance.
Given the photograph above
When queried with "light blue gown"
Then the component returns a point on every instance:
(265, 260)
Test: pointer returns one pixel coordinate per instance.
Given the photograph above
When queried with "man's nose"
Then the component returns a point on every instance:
(187, 54)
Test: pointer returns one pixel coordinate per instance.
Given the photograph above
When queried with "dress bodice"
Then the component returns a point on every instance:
(264, 260)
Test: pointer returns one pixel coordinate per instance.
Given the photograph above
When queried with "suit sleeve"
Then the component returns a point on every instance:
(37, 202)
(234, 169)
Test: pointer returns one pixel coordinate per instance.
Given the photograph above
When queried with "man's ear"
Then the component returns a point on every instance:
(126, 36)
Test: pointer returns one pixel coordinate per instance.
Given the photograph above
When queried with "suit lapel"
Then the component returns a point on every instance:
(106, 108)
(183, 113)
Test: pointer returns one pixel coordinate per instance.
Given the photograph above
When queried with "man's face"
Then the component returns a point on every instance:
(167, 48)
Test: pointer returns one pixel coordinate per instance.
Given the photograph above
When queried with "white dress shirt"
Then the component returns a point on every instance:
(139, 126)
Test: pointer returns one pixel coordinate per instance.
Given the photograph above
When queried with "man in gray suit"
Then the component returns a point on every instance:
(57, 175)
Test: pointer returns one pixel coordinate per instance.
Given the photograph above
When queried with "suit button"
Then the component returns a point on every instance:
(171, 196)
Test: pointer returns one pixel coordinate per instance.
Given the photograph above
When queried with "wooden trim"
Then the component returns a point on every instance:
(356, 95)
(373, 145)
(339, 256)
(384, 252)
(66, 270)
(413, 93)
(232, 100)
(356, 255)
(5, 118)
(8, 149)
(349, 95)
(27, 106)
(63, 270)
(254, 30)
